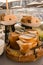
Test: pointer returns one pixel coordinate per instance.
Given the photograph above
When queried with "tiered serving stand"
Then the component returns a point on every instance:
(15, 55)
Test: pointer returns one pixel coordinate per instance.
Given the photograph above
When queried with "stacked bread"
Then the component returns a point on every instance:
(27, 41)
(24, 47)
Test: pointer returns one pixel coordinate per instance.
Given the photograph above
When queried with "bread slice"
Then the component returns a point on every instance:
(28, 38)
(25, 47)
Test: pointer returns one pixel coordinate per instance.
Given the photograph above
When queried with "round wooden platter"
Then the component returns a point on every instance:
(17, 56)
(9, 20)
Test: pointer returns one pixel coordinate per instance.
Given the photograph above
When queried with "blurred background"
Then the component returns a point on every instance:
(23, 3)
(24, 7)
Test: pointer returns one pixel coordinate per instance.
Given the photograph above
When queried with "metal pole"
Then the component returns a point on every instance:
(7, 6)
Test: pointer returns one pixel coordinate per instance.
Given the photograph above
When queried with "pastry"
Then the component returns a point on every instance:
(13, 37)
(27, 41)
(25, 47)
